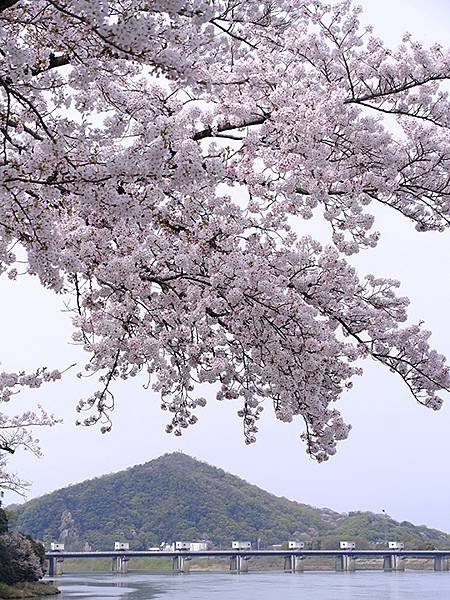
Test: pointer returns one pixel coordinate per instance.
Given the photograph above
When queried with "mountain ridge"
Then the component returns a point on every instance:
(178, 497)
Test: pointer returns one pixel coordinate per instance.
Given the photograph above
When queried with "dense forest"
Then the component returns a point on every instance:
(178, 497)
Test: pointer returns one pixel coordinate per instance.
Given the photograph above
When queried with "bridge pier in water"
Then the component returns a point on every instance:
(441, 563)
(293, 564)
(239, 564)
(392, 562)
(51, 570)
(345, 562)
(120, 564)
(181, 564)
(55, 566)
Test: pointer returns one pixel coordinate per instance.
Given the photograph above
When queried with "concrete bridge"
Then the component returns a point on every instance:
(345, 560)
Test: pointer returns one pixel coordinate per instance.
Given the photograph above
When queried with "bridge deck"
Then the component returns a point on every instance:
(253, 553)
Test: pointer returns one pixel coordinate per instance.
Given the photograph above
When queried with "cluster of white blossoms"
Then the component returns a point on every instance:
(154, 159)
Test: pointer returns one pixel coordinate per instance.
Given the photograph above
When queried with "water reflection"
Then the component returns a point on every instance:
(258, 586)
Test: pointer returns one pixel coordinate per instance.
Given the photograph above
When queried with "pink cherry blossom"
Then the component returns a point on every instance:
(155, 159)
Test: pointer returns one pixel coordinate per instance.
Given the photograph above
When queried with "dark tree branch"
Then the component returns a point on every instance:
(396, 89)
(233, 35)
(210, 132)
(54, 63)
(4, 4)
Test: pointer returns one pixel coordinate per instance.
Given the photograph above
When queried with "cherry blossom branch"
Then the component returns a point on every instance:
(159, 180)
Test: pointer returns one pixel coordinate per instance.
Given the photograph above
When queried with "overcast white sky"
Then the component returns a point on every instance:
(397, 457)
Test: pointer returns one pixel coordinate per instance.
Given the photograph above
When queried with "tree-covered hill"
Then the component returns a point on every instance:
(178, 497)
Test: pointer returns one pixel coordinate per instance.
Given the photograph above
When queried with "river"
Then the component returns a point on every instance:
(367, 585)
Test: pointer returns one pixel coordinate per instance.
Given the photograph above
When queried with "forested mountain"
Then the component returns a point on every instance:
(178, 497)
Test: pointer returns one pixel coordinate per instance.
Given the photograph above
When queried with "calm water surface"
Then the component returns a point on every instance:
(257, 586)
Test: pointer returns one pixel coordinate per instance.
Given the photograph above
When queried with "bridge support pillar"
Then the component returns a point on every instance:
(393, 562)
(233, 563)
(120, 564)
(351, 563)
(345, 562)
(441, 563)
(293, 564)
(181, 564)
(239, 564)
(52, 566)
(387, 562)
(176, 564)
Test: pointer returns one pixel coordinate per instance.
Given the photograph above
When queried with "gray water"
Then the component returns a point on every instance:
(257, 586)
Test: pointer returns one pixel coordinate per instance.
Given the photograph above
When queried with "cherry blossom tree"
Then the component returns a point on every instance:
(160, 160)
(19, 559)
(17, 432)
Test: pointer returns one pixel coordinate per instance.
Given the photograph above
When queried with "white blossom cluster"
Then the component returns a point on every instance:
(154, 156)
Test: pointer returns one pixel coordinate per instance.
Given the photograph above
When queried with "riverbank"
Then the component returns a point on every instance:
(27, 590)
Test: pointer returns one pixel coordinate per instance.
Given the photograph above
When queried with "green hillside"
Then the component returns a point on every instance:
(178, 497)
